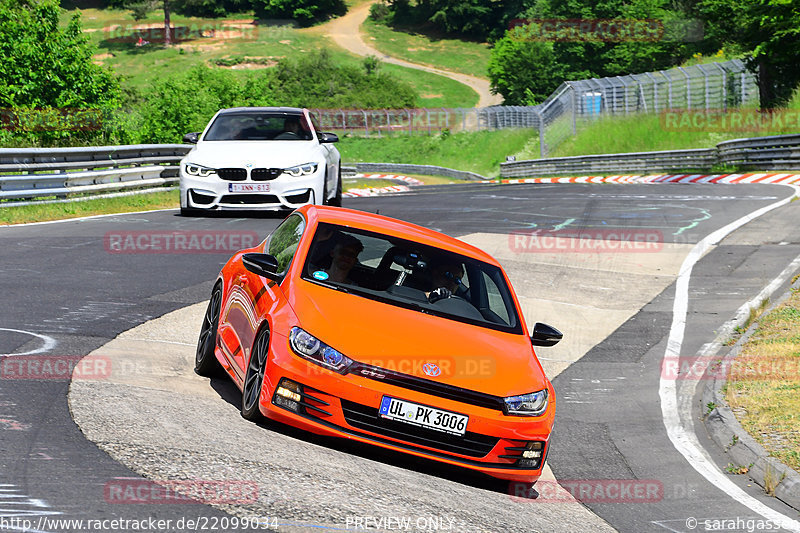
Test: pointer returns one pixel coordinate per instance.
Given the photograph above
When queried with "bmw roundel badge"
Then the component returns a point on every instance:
(431, 369)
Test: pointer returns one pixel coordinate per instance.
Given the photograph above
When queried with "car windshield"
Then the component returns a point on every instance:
(411, 275)
(254, 126)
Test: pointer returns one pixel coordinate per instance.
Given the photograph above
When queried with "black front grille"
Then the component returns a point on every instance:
(367, 419)
(232, 174)
(249, 199)
(427, 386)
(265, 174)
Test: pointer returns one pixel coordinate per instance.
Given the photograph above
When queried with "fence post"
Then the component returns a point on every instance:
(688, 88)
(366, 126)
(705, 79)
(574, 118)
(724, 87)
(655, 92)
(669, 89)
(542, 150)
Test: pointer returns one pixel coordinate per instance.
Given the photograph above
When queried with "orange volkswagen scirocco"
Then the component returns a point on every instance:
(359, 326)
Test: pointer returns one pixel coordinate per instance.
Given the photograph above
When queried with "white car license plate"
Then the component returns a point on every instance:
(421, 415)
(248, 187)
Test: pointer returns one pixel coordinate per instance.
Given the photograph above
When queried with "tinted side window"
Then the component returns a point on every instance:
(284, 240)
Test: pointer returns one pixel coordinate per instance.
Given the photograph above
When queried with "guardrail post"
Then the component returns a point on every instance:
(542, 150)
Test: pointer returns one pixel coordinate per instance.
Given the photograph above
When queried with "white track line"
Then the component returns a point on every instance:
(47, 343)
(680, 431)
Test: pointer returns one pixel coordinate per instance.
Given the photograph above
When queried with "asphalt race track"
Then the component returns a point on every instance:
(69, 289)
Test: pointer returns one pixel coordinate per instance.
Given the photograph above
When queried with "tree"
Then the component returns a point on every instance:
(525, 72)
(42, 65)
(767, 30)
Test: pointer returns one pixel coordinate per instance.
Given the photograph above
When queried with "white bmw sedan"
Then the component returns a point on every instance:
(267, 158)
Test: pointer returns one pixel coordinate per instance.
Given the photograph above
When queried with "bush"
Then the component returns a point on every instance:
(379, 11)
(305, 12)
(49, 81)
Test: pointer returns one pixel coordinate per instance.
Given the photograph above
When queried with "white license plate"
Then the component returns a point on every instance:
(248, 187)
(422, 415)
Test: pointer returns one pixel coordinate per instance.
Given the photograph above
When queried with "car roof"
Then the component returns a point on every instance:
(394, 228)
(286, 110)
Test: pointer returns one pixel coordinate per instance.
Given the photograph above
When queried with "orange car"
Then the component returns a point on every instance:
(363, 327)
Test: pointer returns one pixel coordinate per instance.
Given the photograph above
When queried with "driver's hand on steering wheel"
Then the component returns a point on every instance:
(439, 293)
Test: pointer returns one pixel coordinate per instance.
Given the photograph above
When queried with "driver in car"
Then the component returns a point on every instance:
(446, 281)
(343, 257)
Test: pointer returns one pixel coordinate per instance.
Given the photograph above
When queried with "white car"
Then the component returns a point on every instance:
(269, 158)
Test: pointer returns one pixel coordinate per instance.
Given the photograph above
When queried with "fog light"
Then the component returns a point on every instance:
(288, 395)
(531, 454)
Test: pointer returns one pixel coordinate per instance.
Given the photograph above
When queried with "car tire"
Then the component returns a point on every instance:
(254, 377)
(205, 362)
(336, 201)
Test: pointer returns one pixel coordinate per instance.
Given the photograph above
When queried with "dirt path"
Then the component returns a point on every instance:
(345, 31)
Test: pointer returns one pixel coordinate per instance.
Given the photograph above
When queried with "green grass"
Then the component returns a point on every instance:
(479, 152)
(429, 49)
(140, 65)
(643, 133)
(97, 206)
(764, 383)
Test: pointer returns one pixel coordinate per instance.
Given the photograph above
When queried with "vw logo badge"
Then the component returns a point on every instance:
(431, 369)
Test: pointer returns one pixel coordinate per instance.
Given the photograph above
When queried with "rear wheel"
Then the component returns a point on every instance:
(337, 199)
(205, 362)
(254, 378)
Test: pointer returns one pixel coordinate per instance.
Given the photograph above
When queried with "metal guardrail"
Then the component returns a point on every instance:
(762, 153)
(62, 172)
(424, 170)
(667, 161)
(777, 152)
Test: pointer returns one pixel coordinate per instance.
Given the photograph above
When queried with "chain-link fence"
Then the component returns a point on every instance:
(713, 86)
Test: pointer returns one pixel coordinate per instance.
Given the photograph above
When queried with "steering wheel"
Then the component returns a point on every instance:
(286, 136)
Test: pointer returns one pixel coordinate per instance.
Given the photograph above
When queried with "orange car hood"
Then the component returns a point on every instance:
(404, 340)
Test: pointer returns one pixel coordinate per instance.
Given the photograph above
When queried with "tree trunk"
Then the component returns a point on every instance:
(167, 29)
(766, 93)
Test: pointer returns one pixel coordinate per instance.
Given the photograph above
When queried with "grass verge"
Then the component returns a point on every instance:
(479, 152)
(429, 49)
(764, 386)
(96, 206)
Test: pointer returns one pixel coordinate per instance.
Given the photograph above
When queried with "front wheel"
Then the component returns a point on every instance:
(254, 379)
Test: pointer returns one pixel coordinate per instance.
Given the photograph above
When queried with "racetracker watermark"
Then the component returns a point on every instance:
(387, 120)
(178, 242)
(586, 241)
(225, 30)
(445, 367)
(144, 491)
(55, 367)
(720, 120)
(589, 491)
(605, 30)
(43, 119)
(742, 368)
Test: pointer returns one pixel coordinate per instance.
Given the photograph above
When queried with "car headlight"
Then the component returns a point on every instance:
(198, 170)
(306, 169)
(533, 404)
(309, 347)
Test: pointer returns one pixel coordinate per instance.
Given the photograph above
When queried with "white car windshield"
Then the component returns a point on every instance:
(254, 126)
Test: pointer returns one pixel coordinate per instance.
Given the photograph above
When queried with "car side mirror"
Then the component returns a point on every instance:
(544, 335)
(261, 264)
(328, 138)
(191, 138)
